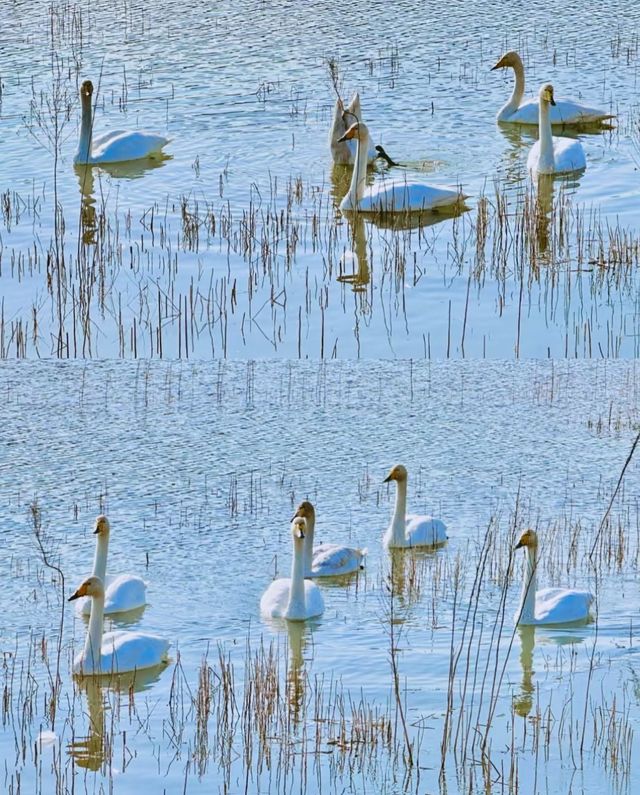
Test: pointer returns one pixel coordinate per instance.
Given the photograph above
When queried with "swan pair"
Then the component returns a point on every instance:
(113, 652)
(117, 146)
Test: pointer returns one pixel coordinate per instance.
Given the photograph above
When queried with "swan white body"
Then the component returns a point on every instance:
(293, 598)
(113, 652)
(390, 195)
(326, 560)
(122, 592)
(547, 605)
(410, 530)
(525, 111)
(344, 152)
(116, 146)
(550, 154)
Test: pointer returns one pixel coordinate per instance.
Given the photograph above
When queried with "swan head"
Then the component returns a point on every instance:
(298, 527)
(102, 526)
(509, 59)
(357, 130)
(528, 539)
(86, 90)
(305, 511)
(546, 94)
(90, 587)
(398, 472)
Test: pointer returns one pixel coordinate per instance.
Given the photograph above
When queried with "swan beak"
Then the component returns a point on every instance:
(299, 513)
(552, 101)
(96, 531)
(342, 138)
(77, 594)
(519, 544)
(389, 478)
(496, 66)
(299, 534)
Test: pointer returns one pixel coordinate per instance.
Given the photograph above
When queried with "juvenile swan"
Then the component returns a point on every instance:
(112, 147)
(294, 598)
(122, 592)
(390, 195)
(549, 605)
(113, 652)
(344, 152)
(410, 530)
(326, 560)
(550, 154)
(519, 111)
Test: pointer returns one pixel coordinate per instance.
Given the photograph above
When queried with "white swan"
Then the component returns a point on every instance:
(565, 111)
(410, 530)
(390, 195)
(294, 598)
(548, 605)
(550, 154)
(116, 146)
(123, 591)
(326, 560)
(113, 652)
(344, 152)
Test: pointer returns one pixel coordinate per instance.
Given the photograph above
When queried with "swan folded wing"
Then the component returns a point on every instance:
(562, 605)
(425, 531)
(568, 154)
(125, 592)
(130, 651)
(124, 146)
(314, 601)
(406, 196)
(563, 112)
(333, 559)
(275, 599)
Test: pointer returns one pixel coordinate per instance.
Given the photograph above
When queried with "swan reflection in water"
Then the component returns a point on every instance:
(89, 179)
(298, 635)
(523, 701)
(93, 750)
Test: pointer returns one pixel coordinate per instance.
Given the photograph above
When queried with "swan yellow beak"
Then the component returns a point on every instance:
(498, 65)
(82, 591)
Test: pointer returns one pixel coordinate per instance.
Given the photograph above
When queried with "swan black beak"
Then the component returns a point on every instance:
(388, 479)
(519, 544)
(342, 138)
(76, 595)
(552, 101)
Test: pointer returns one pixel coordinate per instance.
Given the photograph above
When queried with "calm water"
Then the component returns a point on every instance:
(198, 467)
(233, 246)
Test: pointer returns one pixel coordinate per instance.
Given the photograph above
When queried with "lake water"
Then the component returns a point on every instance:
(199, 467)
(234, 246)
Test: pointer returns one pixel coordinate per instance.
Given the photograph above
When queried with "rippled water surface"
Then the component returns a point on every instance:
(199, 467)
(234, 246)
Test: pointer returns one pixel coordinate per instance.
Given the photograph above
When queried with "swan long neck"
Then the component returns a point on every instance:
(296, 606)
(93, 641)
(527, 610)
(84, 145)
(546, 139)
(515, 99)
(399, 522)
(359, 176)
(308, 544)
(100, 558)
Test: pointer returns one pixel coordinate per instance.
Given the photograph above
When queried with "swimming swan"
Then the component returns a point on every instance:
(550, 154)
(344, 152)
(116, 146)
(389, 195)
(294, 598)
(517, 111)
(113, 652)
(123, 591)
(549, 605)
(410, 530)
(326, 560)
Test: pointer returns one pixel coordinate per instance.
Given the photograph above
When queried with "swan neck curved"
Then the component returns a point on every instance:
(296, 606)
(308, 544)
(93, 642)
(100, 558)
(515, 100)
(359, 176)
(83, 154)
(399, 523)
(546, 163)
(527, 610)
